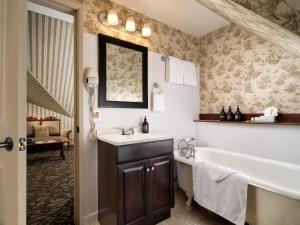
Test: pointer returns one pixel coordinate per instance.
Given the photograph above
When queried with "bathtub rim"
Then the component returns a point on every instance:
(252, 181)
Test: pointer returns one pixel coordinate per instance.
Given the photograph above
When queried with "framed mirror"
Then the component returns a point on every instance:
(123, 74)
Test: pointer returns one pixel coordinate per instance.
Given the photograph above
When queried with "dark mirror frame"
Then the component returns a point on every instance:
(102, 100)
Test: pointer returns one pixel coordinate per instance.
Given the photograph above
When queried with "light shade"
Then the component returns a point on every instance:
(130, 24)
(112, 17)
(146, 30)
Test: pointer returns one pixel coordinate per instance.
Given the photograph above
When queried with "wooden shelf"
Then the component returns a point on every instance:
(284, 119)
(248, 123)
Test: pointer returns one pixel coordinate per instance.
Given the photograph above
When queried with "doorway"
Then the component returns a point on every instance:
(51, 116)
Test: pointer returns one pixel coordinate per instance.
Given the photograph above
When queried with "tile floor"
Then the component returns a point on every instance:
(196, 216)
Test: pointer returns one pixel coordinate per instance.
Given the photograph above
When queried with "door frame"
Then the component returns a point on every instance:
(77, 10)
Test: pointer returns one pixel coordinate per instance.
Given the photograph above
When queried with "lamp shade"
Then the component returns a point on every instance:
(146, 30)
(130, 24)
(112, 17)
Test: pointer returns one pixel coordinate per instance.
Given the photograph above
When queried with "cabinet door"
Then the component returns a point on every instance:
(132, 193)
(161, 186)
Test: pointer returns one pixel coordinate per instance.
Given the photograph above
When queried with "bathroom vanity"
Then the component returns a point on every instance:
(135, 179)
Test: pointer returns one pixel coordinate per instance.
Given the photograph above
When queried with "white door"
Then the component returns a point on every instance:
(12, 110)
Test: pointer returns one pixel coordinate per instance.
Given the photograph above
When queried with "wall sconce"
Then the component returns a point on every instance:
(112, 17)
(129, 25)
(146, 30)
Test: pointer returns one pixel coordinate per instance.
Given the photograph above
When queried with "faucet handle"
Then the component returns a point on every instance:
(132, 129)
(122, 130)
(129, 131)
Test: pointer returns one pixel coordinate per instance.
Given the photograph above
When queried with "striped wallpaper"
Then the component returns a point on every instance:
(36, 94)
(51, 56)
(51, 62)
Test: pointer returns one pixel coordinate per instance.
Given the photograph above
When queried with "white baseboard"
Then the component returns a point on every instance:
(91, 219)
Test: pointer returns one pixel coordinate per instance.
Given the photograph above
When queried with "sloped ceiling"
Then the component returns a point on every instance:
(38, 95)
(51, 62)
(285, 13)
(185, 15)
(256, 24)
(294, 3)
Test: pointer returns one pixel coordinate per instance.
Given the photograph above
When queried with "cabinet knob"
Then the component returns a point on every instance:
(153, 168)
(148, 169)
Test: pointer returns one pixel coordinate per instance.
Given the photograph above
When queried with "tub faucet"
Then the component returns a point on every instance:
(187, 148)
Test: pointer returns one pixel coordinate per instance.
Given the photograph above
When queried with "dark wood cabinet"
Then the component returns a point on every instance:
(132, 193)
(140, 185)
(161, 186)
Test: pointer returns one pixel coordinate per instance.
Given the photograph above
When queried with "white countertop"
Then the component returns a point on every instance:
(118, 139)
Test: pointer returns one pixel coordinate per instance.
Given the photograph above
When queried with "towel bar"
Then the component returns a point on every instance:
(155, 86)
(165, 59)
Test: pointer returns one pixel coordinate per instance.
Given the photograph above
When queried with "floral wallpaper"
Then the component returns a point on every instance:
(165, 40)
(124, 74)
(278, 11)
(239, 68)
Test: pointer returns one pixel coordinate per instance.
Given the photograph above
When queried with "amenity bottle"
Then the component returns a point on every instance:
(230, 115)
(238, 114)
(223, 115)
(145, 126)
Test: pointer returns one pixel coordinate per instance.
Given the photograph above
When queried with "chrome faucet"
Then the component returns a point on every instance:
(129, 131)
(187, 148)
(122, 131)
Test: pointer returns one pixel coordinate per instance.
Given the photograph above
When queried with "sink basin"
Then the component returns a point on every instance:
(118, 139)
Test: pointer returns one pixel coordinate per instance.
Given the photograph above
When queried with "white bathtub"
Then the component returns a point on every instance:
(274, 190)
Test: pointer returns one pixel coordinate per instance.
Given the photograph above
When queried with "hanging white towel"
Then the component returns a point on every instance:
(218, 173)
(158, 102)
(221, 190)
(189, 73)
(174, 70)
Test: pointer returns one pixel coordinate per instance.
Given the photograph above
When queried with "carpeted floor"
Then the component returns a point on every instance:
(50, 184)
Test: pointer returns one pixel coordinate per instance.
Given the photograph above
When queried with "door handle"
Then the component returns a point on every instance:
(8, 144)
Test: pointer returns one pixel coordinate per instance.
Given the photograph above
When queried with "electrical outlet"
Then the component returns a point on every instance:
(97, 115)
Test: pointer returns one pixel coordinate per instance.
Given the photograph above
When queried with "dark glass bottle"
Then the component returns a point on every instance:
(237, 114)
(223, 115)
(145, 126)
(230, 115)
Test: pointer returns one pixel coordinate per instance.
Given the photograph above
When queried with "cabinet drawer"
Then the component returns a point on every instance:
(133, 152)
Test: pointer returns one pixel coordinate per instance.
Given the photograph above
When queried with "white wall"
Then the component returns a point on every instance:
(88, 163)
(267, 141)
(181, 104)
(181, 107)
